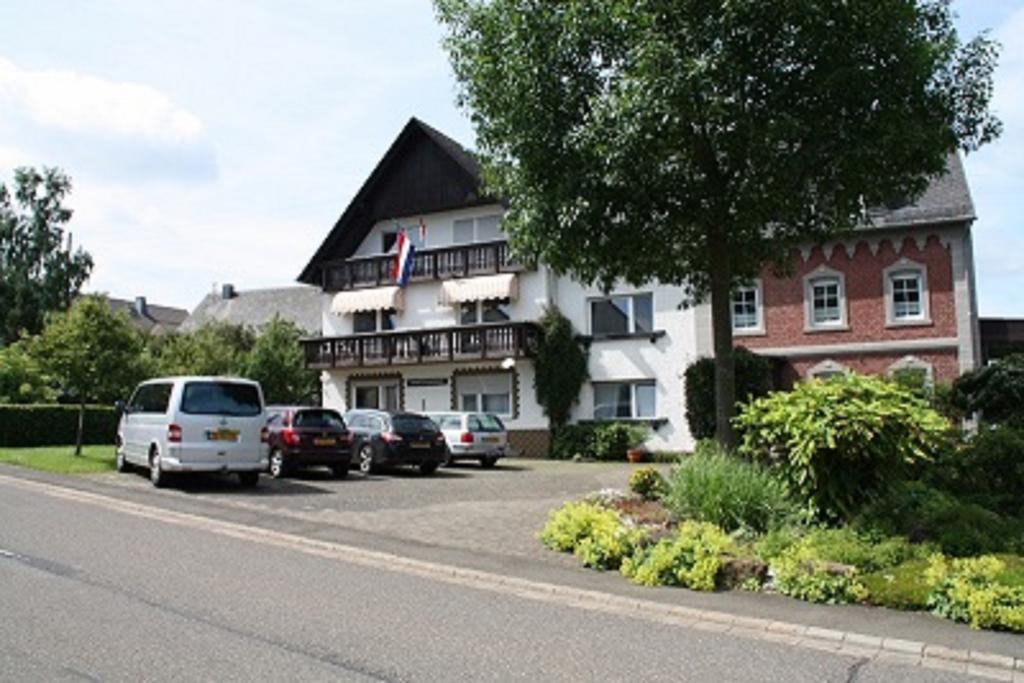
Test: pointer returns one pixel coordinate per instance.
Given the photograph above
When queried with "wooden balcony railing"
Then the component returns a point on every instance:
(437, 345)
(464, 260)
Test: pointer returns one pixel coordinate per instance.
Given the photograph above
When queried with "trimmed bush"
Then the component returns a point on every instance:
(692, 558)
(753, 379)
(648, 483)
(838, 443)
(598, 440)
(975, 590)
(55, 425)
(712, 486)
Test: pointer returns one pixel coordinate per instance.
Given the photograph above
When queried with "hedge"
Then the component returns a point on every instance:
(55, 425)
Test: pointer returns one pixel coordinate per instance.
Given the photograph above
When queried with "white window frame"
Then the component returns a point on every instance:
(476, 228)
(826, 367)
(758, 327)
(913, 363)
(822, 273)
(479, 395)
(633, 384)
(631, 314)
(901, 267)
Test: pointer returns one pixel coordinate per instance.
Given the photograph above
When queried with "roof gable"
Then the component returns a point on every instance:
(424, 171)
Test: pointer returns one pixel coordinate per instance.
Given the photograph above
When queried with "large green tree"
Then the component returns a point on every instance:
(21, 378)
(215, 348)
(278, 363)
(92, 354)
(696, 141)
(39, 270)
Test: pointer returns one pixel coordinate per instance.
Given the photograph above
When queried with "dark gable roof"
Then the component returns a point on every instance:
(256, 307)
(423, 171)
(947, 200)
(154, 320)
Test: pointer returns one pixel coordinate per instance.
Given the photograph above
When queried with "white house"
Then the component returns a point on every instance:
(458, 336)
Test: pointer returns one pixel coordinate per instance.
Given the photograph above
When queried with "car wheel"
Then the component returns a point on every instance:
(366, 458)
(121, 464)
(340, 471)
(488, 462)
(428, 467)
(248, 479)
(278, 466)
(156, 471)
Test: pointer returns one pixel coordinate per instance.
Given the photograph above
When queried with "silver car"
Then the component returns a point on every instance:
(473, 436)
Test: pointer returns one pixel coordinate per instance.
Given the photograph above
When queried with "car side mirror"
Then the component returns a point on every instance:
(121, 408)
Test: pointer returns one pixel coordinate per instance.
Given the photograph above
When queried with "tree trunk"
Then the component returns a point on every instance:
(721, 326)
(81, 427)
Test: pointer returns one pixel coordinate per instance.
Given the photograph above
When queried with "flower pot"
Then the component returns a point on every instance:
(635, 455)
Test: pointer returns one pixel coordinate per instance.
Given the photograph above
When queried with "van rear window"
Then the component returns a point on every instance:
(221, 398)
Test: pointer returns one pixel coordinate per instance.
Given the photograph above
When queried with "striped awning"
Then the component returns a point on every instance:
(503, 286)
(376, 299)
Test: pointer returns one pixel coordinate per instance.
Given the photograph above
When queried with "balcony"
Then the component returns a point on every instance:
(494, 341)
(463, 260)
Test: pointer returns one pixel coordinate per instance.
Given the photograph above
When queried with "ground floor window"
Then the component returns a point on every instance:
(485, 393)
(376, 395)
(624, 400)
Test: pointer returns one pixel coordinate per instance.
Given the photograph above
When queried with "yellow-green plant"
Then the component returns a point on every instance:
(800, 573)
(647, 483)
(970, 590)
(839, 442)
(692, 558)
(573, 522)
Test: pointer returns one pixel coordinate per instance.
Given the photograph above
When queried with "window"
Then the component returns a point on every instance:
(485, 393)
(373, 321)
(318, 419)
(631, 314)
(151, 398)
(221, 398)
(746, 309)
(478, 229)
(377, 396)
(906, 293)
(624, 400)
(825, 300)
(487, 311)
(826, 370)
(911, 371)
(388, 240)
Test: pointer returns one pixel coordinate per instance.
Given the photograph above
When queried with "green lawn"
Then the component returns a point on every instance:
(61, 459)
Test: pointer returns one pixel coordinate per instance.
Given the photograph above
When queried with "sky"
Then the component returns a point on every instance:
(218, 142)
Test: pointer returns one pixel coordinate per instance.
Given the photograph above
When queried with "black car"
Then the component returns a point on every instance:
(381, 439)
(307, 437)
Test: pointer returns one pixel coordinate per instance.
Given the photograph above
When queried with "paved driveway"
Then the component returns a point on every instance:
(466, 507)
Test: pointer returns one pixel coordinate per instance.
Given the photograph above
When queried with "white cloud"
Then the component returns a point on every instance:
(75, 101)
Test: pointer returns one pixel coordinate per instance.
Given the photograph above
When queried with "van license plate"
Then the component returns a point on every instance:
(222, 434)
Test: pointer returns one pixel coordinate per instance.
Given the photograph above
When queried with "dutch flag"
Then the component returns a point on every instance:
(402, 267)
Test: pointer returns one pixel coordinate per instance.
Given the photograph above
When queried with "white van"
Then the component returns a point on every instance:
(194, 424)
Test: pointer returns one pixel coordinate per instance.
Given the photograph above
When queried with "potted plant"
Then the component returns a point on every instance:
(635, 451)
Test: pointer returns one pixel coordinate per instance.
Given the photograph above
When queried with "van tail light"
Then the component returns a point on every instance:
(466, 437)
(390, 437)
(265, 435)
(289, 437)
(173, 434)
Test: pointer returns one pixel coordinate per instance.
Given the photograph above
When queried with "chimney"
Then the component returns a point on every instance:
(140, 306)
(227, 292)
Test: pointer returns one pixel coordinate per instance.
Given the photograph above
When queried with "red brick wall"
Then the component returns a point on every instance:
(865, 296)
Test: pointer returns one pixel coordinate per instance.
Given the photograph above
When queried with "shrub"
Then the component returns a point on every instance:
(648, 483)
(692, 558)
(571, 523)
(990, 470)
(712, 486)
(608, 543)
(599, 440)
(898, 587)
(923, 513)
(55, 425)
(753, 379)
(838, 443)
(971, 590)
(560, 364)
(996, 391)
(799, 574)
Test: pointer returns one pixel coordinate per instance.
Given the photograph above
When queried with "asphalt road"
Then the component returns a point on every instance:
(90, 593)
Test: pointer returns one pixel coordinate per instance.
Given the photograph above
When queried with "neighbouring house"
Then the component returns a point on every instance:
(149, 318)
(1000, 337)
(256, 307)
(897, 295)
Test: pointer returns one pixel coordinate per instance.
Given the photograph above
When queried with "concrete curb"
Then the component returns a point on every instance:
(858, 645)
